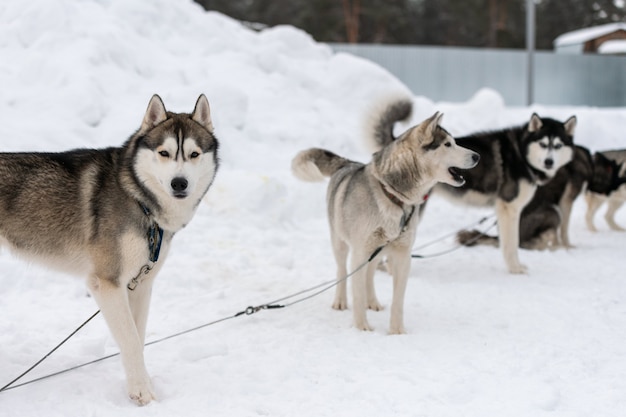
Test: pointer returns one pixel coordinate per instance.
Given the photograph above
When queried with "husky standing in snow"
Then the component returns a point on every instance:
(377, 205)
(110, 215)
(513, 163)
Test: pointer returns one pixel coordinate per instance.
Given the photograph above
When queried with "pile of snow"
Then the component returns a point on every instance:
(481, 342)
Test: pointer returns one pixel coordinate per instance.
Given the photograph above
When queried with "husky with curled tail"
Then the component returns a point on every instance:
(377, 205)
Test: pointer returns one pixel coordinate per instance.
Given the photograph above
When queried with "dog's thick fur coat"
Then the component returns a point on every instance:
(377, 204)
(90, 212)
(514, 162)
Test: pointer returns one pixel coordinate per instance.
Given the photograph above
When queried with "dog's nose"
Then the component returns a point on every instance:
(475, 157)
(179, 184)
(549, 162)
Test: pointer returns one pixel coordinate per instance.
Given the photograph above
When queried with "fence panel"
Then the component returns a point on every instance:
(455, 74)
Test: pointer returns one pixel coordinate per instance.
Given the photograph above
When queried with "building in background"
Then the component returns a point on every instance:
(605, 39)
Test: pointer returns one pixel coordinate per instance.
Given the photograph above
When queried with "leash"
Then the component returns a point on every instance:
(154, 239)
(447, 251)
(319, 289)
(9, 385)
(248, 311)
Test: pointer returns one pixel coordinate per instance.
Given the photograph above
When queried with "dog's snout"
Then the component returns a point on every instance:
(179, 184)
(549, 162)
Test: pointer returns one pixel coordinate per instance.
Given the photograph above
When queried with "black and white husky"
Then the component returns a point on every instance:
(614, 196)
(544, 223)
(513, 163)
(110, 215)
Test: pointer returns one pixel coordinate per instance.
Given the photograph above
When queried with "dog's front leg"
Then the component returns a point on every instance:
(508, 214)
(508, 225)
(372, 300)
(139, 300)
(112, 298)
(359, 291)
(340, 251)
(400, 268)
(565, 207)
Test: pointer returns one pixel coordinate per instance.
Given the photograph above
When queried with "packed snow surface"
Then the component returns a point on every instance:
(480, 342)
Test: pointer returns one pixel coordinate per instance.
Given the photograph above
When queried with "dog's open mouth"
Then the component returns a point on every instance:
(456, 175)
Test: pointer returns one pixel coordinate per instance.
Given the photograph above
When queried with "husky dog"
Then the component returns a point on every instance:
(513, 162)
(544, 222)
(614, 195)
(376, 205)
(110, 215)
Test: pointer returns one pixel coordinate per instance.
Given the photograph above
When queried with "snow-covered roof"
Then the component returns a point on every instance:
(586, 34)
(613, 46)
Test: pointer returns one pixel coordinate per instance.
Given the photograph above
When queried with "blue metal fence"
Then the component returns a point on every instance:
(455, 74)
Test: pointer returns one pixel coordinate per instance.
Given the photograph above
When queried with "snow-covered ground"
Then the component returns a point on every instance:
(481, 342)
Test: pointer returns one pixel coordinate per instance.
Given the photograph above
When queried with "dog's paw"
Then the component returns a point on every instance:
(397, 330)
(141, 394)
(363, 326)
(340, 305)
(375, 305)
(518, 269)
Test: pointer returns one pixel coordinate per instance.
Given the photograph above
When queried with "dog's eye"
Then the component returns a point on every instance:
(558, 146)
(543, 146)
(448, 144)
(194, 155)
(164, 154)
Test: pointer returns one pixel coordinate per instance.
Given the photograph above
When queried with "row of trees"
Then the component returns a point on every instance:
(480, 23)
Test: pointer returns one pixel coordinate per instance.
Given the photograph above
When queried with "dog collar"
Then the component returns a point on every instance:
(406, 218)
(395, 200)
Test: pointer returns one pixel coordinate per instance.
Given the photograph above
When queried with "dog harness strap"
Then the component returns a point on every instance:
(406, 219)
(155, 237)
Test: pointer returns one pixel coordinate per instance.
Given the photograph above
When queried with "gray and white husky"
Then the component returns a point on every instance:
(110, 215)
(513, 163)
(377, 204)
(614, 196)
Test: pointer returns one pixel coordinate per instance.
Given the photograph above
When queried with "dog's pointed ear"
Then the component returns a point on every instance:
(429, 125)
(535, 123)
(155, 114)
(202, 113)
(570, 125)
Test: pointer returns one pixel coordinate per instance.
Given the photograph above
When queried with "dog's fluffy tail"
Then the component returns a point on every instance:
(475, 237)
(382, 117)
(316, 164)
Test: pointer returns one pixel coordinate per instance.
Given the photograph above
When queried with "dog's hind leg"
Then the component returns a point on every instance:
(400, 268)
(609, 216)
(112, 298)
(340, 251)
(594, 201)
